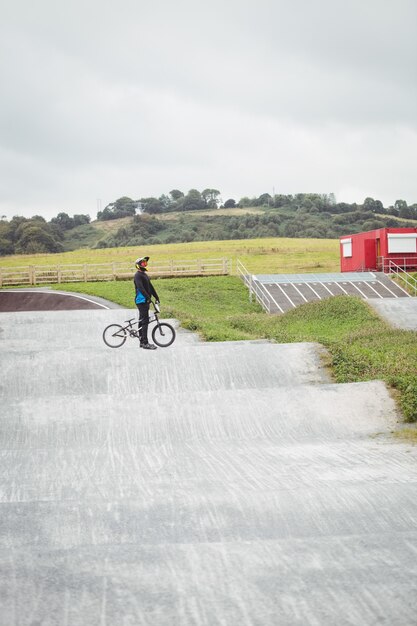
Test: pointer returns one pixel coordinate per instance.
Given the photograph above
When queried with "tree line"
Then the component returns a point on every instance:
(299, 215)
(22, 235)
(176, 200)
(195, 200)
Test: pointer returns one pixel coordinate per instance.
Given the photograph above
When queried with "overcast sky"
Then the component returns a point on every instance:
(101, 99)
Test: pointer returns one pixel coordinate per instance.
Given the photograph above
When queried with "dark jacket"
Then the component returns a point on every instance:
(144, 288)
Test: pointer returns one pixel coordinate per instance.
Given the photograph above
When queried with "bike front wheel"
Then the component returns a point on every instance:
(114, 336)
(163, 335)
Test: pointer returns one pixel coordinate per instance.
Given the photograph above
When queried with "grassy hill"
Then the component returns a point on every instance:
(228, 224)
(399, 219)
(244, 223)
(236, 212)
(88, 235)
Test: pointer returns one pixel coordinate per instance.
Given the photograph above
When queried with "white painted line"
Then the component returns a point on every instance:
(296, 288)
(387, 288)
(342, 288)
(378, 294)
(273, 299)
(323, 285)
(313, 290)
(62, 293)
(286, 295)
(403, 290)
(357, 288)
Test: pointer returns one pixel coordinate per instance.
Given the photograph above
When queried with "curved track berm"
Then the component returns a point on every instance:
(49, 300)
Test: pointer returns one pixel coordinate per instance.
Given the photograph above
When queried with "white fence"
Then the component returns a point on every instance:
(50, 274)
(256, 289)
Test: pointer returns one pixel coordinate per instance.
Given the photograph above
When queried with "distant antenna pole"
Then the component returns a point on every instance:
(98, 205)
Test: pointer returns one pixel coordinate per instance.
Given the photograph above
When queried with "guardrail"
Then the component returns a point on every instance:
(409, 280)
(256, 289)
(407, 263)
(51, 274)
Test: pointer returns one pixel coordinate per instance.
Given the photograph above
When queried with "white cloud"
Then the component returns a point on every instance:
(105, 99)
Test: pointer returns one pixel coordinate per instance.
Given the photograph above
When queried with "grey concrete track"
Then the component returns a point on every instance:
(400, 313)
(197, 485)
(37, 331)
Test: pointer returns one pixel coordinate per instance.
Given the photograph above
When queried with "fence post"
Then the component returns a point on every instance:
(250, 287)
(85, 272)
(114, 270)
(32, 279)
(1, 277)
(58, 273)
(199, 266)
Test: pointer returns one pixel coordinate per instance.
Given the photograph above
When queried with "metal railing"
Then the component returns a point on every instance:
(256, 289)
(44, 274)
(409, 280)
(407, 263)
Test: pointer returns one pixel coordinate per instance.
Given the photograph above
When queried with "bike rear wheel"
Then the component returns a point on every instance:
(163, 335)
(114, 336)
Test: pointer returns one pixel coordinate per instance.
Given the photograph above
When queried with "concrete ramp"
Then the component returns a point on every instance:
(211, 367)
(400, 313)
(202, 484)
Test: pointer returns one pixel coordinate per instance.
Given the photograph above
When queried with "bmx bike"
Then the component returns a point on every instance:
(163, 334)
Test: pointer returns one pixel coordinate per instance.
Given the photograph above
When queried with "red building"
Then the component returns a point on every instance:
(376, 249)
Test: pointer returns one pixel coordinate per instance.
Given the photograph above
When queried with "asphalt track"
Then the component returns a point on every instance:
(49, 300)
(203, 484)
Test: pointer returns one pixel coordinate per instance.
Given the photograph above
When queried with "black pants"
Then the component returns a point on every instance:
(143, 321)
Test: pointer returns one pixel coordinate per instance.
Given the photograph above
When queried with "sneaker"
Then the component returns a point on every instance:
(148, 346)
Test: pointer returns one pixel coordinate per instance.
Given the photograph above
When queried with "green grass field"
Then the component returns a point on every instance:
(259, 255)
(398, 219)
(237, 212)
(360, 345)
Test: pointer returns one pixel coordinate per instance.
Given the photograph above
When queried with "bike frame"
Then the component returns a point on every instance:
(130, 324)
(132, 329)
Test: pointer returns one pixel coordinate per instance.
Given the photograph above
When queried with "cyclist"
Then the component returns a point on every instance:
(144, 291)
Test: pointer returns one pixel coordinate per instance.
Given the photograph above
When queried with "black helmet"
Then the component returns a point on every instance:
(141, 263)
